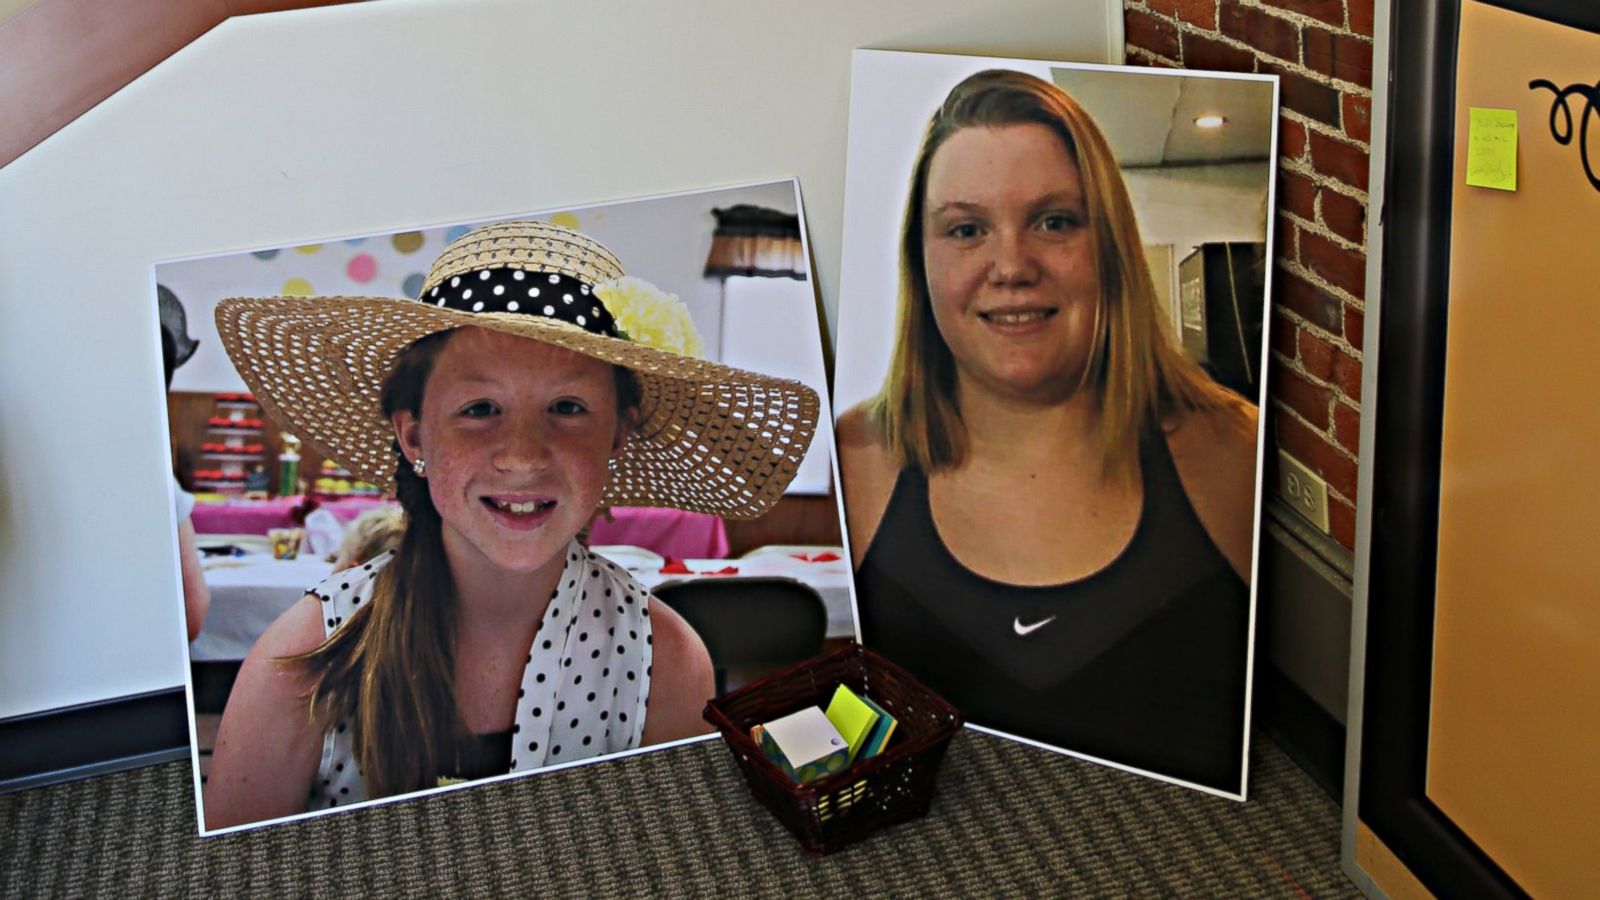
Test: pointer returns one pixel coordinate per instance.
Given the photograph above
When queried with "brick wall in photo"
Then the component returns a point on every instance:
(1321, 50)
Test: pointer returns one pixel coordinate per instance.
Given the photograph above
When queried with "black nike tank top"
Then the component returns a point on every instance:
(1141, 663)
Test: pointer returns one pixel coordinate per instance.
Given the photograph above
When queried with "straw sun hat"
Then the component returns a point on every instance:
(710, 438)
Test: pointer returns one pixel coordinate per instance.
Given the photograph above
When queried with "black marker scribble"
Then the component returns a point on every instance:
(1563, 132)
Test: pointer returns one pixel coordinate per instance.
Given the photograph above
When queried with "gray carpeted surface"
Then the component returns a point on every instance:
(1008, 820)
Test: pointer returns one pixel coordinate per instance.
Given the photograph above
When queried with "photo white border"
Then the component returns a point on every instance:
(181, 635)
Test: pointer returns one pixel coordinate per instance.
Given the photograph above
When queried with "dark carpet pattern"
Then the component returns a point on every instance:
(1007, 820)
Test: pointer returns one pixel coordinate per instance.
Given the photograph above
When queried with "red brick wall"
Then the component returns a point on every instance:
(1321, 50)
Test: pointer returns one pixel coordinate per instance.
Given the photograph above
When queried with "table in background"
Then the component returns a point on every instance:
(669, 532)
(238, 516)
(831, 581)
(247, 594)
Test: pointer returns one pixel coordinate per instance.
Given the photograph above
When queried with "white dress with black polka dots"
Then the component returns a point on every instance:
(584, 687)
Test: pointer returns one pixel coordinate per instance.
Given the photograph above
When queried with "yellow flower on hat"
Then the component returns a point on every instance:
(647, 315)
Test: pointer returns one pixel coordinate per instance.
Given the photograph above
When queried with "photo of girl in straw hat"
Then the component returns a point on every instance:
(528, 383)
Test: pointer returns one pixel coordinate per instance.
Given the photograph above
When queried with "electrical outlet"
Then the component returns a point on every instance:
(1303, 489)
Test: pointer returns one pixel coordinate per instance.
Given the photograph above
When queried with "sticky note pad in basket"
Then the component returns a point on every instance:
(805, 745)
(881, 731)
(853, 717)
(875, 791)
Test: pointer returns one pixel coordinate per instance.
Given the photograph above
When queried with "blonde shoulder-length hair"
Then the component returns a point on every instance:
(1135, 368)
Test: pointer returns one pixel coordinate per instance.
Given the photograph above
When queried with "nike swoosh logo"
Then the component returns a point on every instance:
(1025, 630)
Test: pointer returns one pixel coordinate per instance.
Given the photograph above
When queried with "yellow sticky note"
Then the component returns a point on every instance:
(1492, 148)
(853, 718)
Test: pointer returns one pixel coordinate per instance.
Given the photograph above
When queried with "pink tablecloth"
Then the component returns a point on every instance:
(669, 532)
(259, 516)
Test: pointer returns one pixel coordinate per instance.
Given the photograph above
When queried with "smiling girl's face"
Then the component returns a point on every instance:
(517, 435)
(1010, 257)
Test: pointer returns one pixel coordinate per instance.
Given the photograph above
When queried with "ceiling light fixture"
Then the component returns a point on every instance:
(1210, 121)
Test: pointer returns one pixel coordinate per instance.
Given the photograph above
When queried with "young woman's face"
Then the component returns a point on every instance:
(1010, 259)
(517, 435)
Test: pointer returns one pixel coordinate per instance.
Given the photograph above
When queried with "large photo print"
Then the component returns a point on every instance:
(476, 500)
(1048, 385)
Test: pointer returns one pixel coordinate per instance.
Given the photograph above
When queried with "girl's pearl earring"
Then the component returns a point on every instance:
(419, 466)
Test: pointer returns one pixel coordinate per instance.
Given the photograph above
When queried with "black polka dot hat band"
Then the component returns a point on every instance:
(709, 438)
(552, 295)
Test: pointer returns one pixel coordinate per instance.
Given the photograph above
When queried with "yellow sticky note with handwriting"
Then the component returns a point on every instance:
(1492, 148)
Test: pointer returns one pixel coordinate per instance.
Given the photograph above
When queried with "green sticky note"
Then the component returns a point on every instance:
(1492, 148)
(853, 718)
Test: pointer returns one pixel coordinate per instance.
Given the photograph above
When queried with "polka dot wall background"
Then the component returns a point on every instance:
(661, 239)
(408, 241)
(385, 266)
(361, 268)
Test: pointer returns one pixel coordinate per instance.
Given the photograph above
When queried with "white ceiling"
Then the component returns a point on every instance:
(1148, 116)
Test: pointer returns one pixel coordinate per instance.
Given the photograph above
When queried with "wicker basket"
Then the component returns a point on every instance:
(847, 806)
